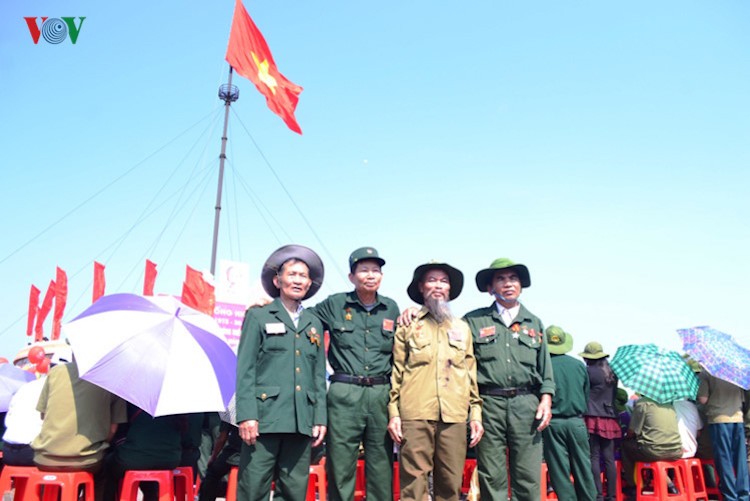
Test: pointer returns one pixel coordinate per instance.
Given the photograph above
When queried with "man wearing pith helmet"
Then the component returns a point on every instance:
(434, 389)
(361, 324)
(281, 387)
(566, 439)
(515, 381)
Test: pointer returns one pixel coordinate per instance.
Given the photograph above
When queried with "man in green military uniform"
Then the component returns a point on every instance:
(566, 439)
(361, 324)
(281, 389)
(515, 380)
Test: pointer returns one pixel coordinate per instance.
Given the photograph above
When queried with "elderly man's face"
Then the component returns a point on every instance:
(366, 276)
(435, 284)
(507, 284)
(293, 280)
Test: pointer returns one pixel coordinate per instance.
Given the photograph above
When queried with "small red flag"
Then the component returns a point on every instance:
(33, 309)
(61, 299)
(44, 311)
(251, 58)
(99, 281)
(150, 278)
(197, 293)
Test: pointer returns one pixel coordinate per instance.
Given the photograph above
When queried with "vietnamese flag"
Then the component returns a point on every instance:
(61, 299)
(197, 293)
(99, 281)
(250, 57)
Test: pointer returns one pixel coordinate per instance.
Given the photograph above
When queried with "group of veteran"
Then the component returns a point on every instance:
(424, 379)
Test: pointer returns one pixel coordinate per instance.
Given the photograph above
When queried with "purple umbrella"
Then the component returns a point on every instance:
(11, 379)
(718, 353)
(154, 352)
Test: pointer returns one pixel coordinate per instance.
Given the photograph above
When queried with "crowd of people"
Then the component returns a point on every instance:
(429, 385)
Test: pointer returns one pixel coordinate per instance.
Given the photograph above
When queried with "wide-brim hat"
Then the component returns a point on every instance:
(284, 254)
(454, 275)
(364, 254)
(484, 277)
(559, 342)
(593, 351)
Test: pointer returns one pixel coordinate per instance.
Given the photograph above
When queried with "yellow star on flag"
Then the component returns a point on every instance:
(263, 74)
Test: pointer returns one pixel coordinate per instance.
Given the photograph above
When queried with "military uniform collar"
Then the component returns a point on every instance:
(523, 313)
(353, 298)
(280, 312)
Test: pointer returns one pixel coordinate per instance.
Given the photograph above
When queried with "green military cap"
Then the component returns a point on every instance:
(484, 277)
(454, 275)
(593, 351)
(282, 255)
(362, 254)
(559, 342)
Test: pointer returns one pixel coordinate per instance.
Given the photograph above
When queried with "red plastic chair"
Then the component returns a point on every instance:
(133, 478)
(660, 474)
(711, 479)
(183, 483)
(317, 482)
(16, 477)
(360, 484)
(232, 484)
(64, 486)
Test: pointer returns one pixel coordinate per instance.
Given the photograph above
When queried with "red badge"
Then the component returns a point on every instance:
(487, 331)
(388, 325)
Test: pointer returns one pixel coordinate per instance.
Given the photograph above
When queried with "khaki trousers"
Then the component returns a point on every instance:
(432, 446)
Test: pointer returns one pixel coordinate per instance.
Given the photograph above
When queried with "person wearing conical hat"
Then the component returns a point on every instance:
(566, 439)
(281, 386)
(433, 389)
(361, 324)
(515, 380)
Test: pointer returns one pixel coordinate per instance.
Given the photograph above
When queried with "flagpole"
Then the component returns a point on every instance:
(229, 93)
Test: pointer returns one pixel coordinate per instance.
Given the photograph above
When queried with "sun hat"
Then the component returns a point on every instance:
(559, 342)
(364, 254)
(454, 275)
(484, 277)
(593, 351)
(284, 254)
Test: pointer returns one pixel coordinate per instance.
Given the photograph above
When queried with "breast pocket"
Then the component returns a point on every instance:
(342, 334)
(387, 345)
(457, 354)
(420, 351)
(486, 348)
(528, 351)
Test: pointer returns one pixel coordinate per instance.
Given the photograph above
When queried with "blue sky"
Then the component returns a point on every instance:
(603, 144)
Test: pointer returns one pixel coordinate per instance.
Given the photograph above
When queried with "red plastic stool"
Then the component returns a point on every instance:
(232, 484)
(469, 466)
(692, 472)
(360, 482)
(63, 485)
(133, 478)
(16, 477)
(619, 496)
(183, 483)
(317, 482)
(711, 478)
(396, 482)
(545, 483)
(660, 474)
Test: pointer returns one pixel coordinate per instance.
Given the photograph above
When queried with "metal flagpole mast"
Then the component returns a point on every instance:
(229, 93)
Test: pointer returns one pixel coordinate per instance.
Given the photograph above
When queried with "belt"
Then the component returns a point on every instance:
(360, 380)
(506, 392)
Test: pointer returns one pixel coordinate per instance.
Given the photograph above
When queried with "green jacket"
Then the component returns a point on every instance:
(510, 357)
(571, 387)
(361, 340)
(281, 371)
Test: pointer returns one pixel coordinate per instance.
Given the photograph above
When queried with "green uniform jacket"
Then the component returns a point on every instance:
(361, 340)
(571, 387)
(281, 371)
(510, 357)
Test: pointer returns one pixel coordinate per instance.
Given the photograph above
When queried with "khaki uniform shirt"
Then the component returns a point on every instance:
(655, 427)
(434, 373)
(724, 403)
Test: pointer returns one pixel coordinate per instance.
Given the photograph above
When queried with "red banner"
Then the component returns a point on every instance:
(44, 311)
(61, 299)
(197, 293)
(99, 281)
(150, 278)
(33, 309)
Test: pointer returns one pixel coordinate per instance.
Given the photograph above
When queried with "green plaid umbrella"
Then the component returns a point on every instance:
(661, 375)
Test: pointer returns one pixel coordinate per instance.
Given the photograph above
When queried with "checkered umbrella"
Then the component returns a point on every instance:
(718, 353)
(661, 375)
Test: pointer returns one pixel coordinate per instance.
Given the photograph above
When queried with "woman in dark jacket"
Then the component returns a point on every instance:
(601, 418)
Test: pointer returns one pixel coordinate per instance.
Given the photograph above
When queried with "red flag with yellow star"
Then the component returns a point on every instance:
(250, 57)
